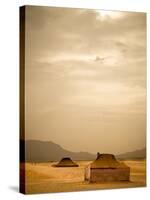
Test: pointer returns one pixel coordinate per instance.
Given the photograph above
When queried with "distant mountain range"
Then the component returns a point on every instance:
(48, 151)
(42, 151)
(137, 154)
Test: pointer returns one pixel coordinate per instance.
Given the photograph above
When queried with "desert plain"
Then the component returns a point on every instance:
(44, 178)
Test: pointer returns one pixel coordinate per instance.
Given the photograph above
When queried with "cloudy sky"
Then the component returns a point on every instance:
(86, 78)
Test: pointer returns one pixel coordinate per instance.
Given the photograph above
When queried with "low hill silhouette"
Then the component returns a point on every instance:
(137, 154)
(43, 151)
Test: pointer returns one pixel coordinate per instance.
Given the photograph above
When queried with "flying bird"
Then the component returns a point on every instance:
(100, 59)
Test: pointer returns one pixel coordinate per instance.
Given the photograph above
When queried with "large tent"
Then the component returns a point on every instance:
(107, 168)
(66, 162)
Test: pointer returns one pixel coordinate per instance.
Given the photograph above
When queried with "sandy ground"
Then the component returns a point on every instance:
(43, 178)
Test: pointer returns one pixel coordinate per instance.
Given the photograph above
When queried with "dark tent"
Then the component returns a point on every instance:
(66, 162)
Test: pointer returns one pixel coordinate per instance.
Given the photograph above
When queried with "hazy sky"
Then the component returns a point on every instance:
(86, 78)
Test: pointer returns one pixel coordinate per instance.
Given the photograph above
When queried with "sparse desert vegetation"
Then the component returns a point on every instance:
(43, 177)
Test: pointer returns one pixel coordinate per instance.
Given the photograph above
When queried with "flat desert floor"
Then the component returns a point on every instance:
(43, 178)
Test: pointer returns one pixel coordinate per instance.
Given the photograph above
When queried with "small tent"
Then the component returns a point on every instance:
(66, 162)
(107, 168)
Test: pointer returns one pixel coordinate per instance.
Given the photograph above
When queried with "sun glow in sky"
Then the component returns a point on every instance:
(104, 14)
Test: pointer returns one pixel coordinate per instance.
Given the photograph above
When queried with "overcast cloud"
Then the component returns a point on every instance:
(86, 78)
